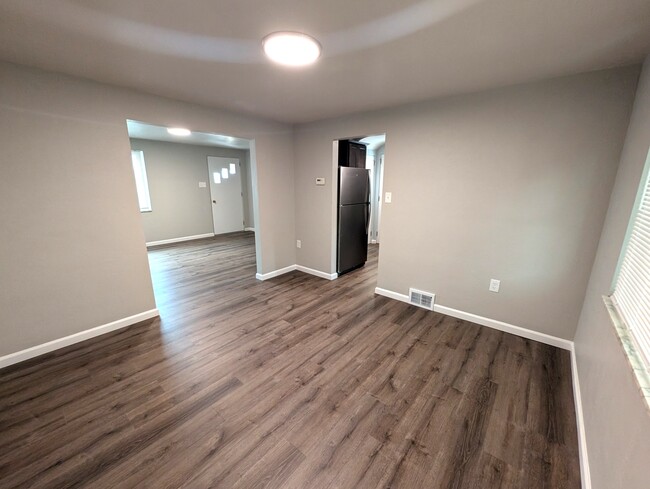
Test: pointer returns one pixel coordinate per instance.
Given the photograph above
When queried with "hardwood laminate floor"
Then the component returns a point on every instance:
(295, 382)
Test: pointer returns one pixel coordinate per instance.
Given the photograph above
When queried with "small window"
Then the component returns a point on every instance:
(631, 296)
(141, 184)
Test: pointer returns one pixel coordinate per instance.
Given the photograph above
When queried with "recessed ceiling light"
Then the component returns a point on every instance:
(291, 48)
(179, 131)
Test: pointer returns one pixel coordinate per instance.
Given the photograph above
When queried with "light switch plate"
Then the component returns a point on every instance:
(298, 243)
(202, 185)
(388, 198)
(494, 285)
(320, 181)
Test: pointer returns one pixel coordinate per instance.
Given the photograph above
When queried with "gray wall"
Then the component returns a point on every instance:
(179, 207)
(247, 187)
(510, 184)
(73, 251)
(617, 422)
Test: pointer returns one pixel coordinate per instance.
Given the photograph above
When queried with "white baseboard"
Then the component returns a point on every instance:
(491, 323)
(300, 268)
(37, 350)
(249, 229)
(317, 273)
(585, 474)
(275, 273)
(179, 240)
(391, 295)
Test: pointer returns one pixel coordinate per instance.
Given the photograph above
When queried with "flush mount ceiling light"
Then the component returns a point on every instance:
(179, 131)
(291, 48)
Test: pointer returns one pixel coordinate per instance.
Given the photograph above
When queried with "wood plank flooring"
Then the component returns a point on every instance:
(295, 382)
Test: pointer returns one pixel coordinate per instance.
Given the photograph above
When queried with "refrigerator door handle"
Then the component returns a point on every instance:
(368, 205)
(367, 218)
(368, 186)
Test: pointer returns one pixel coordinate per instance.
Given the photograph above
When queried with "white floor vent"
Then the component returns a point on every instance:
(421, 298)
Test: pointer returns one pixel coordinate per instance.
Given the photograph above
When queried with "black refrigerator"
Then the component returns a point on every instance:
(353, 218)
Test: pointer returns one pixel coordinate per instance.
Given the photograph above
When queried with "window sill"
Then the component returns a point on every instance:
(641, 373)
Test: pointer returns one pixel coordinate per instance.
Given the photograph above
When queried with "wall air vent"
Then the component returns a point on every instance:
(421, 299)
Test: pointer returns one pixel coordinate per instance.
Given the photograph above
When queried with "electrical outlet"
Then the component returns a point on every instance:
(389, 197)
(320, 181)
(494, 285)
(298, 243)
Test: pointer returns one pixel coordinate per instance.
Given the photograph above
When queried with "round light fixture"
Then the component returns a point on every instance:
(291, 48)
(179, 131)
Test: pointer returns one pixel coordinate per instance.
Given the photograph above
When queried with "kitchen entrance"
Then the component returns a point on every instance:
(359, 178)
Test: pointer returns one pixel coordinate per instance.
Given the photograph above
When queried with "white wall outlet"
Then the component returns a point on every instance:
(388, 198)
(298, 243)
(494, 285)
(202, 185)
(320, 181)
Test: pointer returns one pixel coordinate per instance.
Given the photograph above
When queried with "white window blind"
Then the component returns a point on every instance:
(631, 295)
(142, 186)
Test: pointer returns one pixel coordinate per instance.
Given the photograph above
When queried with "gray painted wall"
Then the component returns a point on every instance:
(73, 254)
(511, 184)
(179, 207)
(617, 422)
(247, 187)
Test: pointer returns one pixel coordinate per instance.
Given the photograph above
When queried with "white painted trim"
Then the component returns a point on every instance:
(300, 268)
(37, 350)
(275, 273)
(585, 474)
(249, 229)
(392, 295)
(179, 240)
(317, 273)
(491, 323)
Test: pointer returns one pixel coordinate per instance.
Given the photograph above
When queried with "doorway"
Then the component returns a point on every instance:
(196, 184)
(358, 169)
(195, 192)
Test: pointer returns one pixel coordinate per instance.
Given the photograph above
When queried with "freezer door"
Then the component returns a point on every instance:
(354, 186)
(357, 158)
(352, 236)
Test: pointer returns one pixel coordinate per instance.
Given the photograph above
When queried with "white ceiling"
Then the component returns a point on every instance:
(142, 130)
(376, 53)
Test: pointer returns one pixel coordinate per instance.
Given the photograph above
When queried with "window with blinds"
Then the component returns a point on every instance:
(631, 296)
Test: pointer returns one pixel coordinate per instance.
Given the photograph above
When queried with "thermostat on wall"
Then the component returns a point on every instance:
(320, 181)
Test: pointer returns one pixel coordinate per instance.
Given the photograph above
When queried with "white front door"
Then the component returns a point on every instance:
(226, 194)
